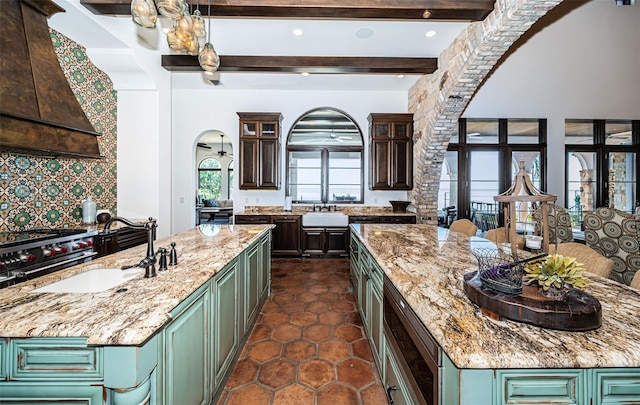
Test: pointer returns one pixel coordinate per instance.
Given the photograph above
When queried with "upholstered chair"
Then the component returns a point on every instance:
(592, 261)
(635, 282)
(559, 223)
(616, 235)
(499, 235)
(464, 226)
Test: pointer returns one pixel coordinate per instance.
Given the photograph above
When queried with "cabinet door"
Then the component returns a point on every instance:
(265, 267)
(402, 165)
(248, 163)
(269, 177)
(393, 382)
(251, 219)
(615, 386)
(187, 354)
(313, 241)
(375, 323)
(380, 165)
(286, 235)
(363, 291)
(565, 387)
(59, 394)
(252, 285)
(337, 240)
(226, 314)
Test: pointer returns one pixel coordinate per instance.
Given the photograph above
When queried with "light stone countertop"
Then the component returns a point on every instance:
(427, 264)
(133, 316)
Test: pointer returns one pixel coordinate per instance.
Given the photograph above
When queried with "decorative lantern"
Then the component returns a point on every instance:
(519, 203)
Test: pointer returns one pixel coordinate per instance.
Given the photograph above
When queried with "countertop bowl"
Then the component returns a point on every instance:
(399, 206)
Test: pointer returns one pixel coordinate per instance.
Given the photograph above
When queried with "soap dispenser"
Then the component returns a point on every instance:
(88, 211)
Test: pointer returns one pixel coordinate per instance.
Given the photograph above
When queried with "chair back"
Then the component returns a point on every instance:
(616, 235)
(464, 226)
(559, 223)
(635, 282)
(592, 261)
(499, 235)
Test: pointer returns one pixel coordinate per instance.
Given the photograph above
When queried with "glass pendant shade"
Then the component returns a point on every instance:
(171, 8)
(184, 28)
(208, 58)
(198, 24)
(143, 13)
(194, 46)
(174, 43)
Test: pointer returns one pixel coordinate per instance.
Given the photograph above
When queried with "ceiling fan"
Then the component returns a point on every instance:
(222, 152)
(203, 145)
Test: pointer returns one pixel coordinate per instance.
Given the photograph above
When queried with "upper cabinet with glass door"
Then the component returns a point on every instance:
(391, 163)
(260, 151)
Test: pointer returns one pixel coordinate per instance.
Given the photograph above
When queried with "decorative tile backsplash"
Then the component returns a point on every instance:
(48, 192)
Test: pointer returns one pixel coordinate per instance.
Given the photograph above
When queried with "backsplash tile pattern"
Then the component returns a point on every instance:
(48, 192)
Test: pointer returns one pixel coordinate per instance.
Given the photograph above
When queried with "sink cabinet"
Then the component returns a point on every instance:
(286, 235)
(317, 241)
(260, 151)
(391, 156)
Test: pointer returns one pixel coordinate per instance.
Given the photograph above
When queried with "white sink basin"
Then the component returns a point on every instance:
(91, 281)
(325, 219)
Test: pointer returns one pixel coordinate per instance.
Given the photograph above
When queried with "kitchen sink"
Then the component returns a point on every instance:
(91, 281)
(325, 219)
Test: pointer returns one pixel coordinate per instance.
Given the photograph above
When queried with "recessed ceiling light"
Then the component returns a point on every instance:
(400, 76)
(364, 33)
(430, 34)
(305, 74)
(297, 32)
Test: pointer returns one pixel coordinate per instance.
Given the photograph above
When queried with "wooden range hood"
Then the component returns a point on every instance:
(39, 114)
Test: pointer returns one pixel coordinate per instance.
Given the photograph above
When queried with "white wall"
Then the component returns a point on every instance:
(198, 111)
(585, 65)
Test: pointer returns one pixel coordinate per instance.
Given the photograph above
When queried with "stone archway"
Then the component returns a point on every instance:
(438, 100)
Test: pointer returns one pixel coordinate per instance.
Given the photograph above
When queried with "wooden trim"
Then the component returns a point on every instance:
(456, 10)
(310, 64)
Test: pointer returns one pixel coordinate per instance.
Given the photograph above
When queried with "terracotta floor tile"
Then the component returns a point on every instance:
(304, 318)
(333, 350)
(316, 373)
(347, 332)
(355, 372)
(362, 349)
(251, 394)
(286, 333)
(337, 394)
(294, 394)
(300, 350)
(331, 318)
(308, 345)
(317, 332)
(277, 373)
(264, 351)
(244, 372)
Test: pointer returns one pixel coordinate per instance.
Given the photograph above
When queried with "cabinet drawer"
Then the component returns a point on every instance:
(616, 386)
(363, 219)
(541, 386)
(252, 219)
(400, 219)
(59, 359)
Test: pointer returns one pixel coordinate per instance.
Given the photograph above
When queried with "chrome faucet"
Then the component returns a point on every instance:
(149, 262)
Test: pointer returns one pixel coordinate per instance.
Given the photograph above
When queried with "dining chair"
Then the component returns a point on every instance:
(635, 282)
(499, 235)
(464, 226)
(592, 261)
(616, 235)
(559, 221)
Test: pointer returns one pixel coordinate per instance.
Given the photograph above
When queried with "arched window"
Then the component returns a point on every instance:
(230, 178)
(325, 158)
(210, 178)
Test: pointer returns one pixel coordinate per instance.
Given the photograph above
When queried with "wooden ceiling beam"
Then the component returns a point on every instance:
(310, 64)
(453, 10)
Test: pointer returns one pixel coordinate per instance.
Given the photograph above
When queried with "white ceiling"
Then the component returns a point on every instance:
(272, 37)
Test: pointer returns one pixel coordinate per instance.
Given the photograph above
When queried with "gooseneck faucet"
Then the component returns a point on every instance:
(149, 262)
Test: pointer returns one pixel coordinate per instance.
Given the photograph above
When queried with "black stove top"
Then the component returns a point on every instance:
(32, 235)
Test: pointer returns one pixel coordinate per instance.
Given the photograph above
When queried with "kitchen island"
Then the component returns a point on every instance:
(488, 361)
(141, 340)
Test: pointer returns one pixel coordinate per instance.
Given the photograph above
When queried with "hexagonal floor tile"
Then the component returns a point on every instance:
(343, 307)
(331, 318)
(350, 333)
(275, 319)
(333, 350)
(300, 350)
(355, 372)
(317, 332)
(287, 332)
(260, 332)
(337, 394)
(294, 394)
(244, 372)
(264, 351)
(316, 373)
(303, 318)
(362, 349)
(317, 307)
(277, 373)
(251, 394)
(374, 395)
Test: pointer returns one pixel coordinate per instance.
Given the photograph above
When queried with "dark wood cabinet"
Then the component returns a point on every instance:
(285, 239)
(325, 241)
(119, 239)
(391, 155)
(259, 151)
(251, 219)
(382, 219)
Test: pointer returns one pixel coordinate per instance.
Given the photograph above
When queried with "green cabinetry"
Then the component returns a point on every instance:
(226, 322)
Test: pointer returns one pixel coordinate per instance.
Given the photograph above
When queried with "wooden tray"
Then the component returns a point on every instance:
(579, 311)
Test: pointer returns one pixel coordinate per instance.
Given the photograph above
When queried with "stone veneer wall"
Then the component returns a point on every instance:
(48, 192)
(438, 100)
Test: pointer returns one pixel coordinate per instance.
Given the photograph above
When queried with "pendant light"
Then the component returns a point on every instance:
(143, 13)
(198, 22)
(208, 58)
(171, 8)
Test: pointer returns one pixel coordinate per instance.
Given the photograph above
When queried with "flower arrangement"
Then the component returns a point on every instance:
(555, 271)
